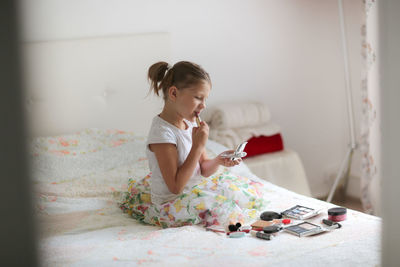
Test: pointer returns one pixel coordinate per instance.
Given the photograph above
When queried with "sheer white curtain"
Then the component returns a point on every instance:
(370, 143)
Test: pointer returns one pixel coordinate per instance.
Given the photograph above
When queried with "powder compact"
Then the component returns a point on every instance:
(272, 229)
(270, 215)
(337, 214)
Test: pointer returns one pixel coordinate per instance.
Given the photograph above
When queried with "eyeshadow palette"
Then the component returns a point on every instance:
(304, 229)
(300, 212)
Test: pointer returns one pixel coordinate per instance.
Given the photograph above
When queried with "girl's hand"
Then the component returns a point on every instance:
(227, 162)
(200, 135)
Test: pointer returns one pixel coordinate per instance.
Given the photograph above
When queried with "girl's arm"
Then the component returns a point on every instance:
(210, 166)
(175, 177)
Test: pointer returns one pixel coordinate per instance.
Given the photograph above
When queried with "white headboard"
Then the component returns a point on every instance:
(93, 82)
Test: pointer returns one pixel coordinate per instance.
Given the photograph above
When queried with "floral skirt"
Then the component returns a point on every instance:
(221, 199)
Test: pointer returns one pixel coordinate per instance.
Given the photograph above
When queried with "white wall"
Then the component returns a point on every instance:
(285, 53)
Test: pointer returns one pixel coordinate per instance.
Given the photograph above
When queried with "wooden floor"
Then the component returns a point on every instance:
(343, 200)
(349, 202)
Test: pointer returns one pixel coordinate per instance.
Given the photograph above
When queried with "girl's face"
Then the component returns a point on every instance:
(191, 101)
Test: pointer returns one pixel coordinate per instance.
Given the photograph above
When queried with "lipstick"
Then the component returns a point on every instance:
(198, 119)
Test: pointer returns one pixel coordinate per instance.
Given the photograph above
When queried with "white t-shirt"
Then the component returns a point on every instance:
(162, 131)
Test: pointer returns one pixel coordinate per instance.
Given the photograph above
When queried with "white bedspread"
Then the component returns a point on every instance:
(81, 224)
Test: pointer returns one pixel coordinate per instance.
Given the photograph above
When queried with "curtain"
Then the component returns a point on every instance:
(370, 118)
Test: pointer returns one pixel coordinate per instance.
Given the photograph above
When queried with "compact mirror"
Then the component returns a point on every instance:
(239, 153)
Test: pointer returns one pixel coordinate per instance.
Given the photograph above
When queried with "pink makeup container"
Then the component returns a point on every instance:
(337, 214)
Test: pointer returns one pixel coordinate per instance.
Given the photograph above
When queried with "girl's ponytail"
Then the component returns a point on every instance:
(183, 75)
(156, 75)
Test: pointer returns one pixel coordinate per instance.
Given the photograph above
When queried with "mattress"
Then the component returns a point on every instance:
(78, 180)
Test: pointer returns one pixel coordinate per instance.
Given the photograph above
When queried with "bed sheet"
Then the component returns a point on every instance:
(78, 181)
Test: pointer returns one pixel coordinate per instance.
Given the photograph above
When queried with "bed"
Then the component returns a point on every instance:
(88, 116)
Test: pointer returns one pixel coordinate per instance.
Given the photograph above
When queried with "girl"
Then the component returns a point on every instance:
(179, 192)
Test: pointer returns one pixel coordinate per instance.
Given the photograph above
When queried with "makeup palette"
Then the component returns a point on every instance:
(300, 212)
(260, 224)
(304, 229)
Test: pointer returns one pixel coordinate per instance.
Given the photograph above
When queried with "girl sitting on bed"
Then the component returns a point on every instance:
(177, 192)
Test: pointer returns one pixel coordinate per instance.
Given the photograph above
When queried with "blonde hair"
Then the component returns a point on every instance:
(183, 74)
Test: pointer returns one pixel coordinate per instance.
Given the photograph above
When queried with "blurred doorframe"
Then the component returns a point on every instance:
(17, 226)
(389, 37)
